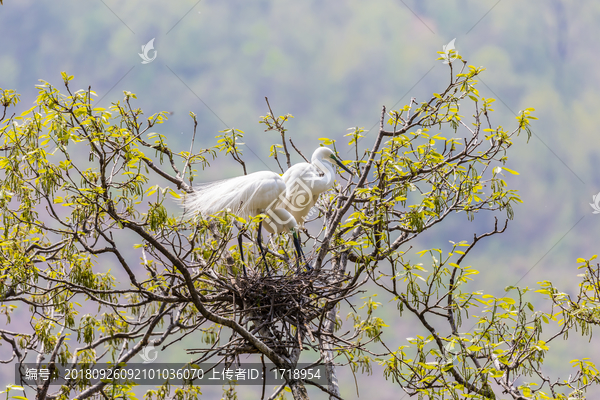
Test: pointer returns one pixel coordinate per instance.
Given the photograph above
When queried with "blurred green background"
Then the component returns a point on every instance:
(333, 65)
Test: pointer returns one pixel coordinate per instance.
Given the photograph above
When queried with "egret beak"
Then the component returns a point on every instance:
(342, 166)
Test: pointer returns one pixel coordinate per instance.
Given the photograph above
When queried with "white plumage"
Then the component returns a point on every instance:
(304, 182)
(244, 196)
(279, 220)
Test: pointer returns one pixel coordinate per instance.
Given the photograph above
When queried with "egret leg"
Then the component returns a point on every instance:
(306, 264)
(300, 253)
(242, 254)
(262, 250)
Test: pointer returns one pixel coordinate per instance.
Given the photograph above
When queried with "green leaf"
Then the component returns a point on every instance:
(510, 170)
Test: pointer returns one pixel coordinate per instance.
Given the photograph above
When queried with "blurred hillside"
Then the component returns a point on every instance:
(333, 65)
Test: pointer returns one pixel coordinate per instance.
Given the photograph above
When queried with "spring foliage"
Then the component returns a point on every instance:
(78, 180)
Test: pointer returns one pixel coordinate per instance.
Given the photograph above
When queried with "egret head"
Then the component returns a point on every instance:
(326, 154)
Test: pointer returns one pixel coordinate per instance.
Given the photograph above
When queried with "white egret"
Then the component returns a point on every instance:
(245, 196)
(304, 182)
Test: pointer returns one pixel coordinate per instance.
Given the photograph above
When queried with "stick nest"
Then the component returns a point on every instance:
(282, 310)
